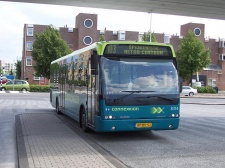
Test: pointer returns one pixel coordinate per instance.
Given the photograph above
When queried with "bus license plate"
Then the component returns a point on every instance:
(143, 125)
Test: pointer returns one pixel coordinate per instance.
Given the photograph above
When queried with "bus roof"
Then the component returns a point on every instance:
(103, 44)
(75, 53)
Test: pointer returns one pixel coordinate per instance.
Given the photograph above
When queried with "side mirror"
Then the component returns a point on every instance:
(94, 63)
(180, 84)
(94, 60)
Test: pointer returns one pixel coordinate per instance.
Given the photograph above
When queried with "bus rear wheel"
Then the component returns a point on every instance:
(83, 122)
(57, 107)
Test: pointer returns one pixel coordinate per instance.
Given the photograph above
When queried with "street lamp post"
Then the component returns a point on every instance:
(150, 31)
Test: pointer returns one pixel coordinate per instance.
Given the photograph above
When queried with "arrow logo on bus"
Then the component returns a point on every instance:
(157, 110)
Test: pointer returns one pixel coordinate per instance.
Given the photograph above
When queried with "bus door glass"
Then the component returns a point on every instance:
(62, 85)
(92, 103)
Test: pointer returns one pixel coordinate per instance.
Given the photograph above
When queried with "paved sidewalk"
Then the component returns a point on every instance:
(44, 141)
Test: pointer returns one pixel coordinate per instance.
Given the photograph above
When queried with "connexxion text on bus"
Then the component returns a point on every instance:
(118, 86)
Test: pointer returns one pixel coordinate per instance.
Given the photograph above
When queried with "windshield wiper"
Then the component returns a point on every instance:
(161, 97)
(137, 91)
(131, 92)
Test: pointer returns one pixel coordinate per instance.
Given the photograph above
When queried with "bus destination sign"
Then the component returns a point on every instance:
(132, 49)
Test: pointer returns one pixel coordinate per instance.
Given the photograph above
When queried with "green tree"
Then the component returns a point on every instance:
(102, 37)
(48, 47)
(11, 72)
(192, 56)
(146, 37)
(18, 69)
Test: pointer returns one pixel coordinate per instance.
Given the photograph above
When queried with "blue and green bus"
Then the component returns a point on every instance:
(118, 86)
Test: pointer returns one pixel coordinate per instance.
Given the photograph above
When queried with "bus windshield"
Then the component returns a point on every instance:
(139, 75)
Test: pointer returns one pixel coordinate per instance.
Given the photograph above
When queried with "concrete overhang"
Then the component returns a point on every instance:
(197, 8)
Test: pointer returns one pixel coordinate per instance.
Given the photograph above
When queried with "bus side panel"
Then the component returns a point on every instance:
(75, 83)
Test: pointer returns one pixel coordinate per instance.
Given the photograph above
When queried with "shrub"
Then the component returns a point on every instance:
(39, 88)
(206, 89)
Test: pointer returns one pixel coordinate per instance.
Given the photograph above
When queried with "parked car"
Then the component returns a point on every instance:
(17, 85)
(189, 91)
(3, 79)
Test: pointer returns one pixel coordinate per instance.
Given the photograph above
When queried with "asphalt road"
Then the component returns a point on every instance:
(198, 143)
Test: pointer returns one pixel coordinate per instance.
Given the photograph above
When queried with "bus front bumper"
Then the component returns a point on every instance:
(136, 124)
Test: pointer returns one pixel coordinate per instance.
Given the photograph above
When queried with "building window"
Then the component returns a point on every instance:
(221, 43)
(166, 39)
(70, 30)
(29, 61)
(36, 78)
(212, 82)
(197, 31)
(29, 45)
(121, 35)
(30, 31)
(102, 32)
(88, 23)
(114, 33)
(221, 57)
(87, 40)
(140, 36)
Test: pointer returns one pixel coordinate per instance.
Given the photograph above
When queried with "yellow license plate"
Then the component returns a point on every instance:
(143, 125)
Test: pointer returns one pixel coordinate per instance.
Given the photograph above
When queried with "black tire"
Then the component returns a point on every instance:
(57, 108)
(23, 89)
(83, 122)
(3, 89)
(191, 94)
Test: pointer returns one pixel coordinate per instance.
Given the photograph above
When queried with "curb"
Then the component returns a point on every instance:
(14, 92)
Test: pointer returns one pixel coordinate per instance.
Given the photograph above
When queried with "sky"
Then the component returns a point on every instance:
(14, 15)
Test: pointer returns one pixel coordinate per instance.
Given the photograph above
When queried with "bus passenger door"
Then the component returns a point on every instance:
(62, 87)
(91, 99)
(92, 96)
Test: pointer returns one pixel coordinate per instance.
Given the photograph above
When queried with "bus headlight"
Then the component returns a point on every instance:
(113, 128)
(110, 117)
(174, 115)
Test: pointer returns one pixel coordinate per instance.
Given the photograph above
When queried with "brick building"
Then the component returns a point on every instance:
(86, 33)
